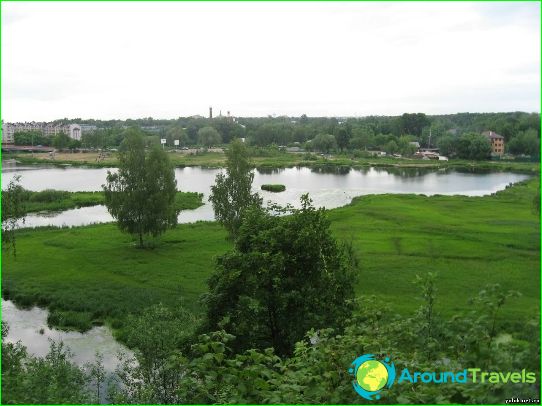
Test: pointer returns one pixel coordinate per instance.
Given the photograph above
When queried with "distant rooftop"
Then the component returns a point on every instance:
(492, 135)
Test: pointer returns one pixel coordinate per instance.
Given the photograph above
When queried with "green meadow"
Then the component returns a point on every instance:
(94, 274)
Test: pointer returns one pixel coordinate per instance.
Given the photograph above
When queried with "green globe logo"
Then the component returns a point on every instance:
(372, 375)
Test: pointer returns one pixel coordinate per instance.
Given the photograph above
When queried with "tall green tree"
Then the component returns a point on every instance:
(342, 138)
(208, 136)
(141, 195)
(323, 143)
(13, 212)
(61, 141)
(232, 193)
(473, 146)
(286, 275)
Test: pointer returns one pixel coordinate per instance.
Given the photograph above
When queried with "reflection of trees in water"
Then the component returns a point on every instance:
(408, 172)
(331, 169)
(269, 171)
(469, 169)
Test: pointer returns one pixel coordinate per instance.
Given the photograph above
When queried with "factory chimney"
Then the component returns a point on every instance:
(210, 112)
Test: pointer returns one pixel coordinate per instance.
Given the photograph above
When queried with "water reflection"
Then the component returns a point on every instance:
(30, 327)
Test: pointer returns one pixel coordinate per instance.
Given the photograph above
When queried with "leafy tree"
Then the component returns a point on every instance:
(13, 211)
(324, 143)
(526, 143)
(31, 138)
(61, 141)
(141, 195)
(412, 123)
(286, 275)
(342, 138)
(152, 376)
(405, 147)
(53, 379)
(231, 194)
(208, 136)
(391, 147)
(447, 145)
(474, 147)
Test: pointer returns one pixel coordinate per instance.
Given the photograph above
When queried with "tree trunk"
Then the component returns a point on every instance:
(141, 240)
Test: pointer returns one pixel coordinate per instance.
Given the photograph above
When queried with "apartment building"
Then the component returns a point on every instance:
(47, 129)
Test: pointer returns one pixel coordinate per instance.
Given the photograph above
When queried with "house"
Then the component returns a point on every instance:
(497, 142)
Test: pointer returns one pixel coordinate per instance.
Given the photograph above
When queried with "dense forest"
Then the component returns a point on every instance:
(456, 135)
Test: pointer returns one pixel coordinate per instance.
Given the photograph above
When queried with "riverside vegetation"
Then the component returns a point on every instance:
(469, 241)
(59, 200)
(246, 342)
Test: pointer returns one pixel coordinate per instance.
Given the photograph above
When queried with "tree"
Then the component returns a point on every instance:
(141, 194)
(342, 137)
(13, 212)
(447, 145)
(61, 141)
(391, 147)
(324, 143)
(286, 275)
(412, 123)
(208, 136)
(474, 147)
(231, 194)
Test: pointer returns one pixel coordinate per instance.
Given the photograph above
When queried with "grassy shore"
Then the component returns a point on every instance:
(282, 160)
(59, 200)
(94, 274)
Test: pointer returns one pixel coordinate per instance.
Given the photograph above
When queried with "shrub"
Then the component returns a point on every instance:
(274, 188)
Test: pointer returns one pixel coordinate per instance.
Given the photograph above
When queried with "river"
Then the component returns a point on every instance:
(328, 188)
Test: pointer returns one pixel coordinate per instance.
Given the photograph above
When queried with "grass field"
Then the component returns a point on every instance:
(281, 160)
(95, 274)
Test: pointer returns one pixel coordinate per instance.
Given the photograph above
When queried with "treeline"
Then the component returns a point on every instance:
(453, 133)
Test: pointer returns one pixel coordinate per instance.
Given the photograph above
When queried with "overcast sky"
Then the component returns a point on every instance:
(128, 60)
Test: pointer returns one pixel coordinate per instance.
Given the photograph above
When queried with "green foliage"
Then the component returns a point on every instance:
(31, 138)
(13, 211)
(473, 146)
(231, 195)
(342, 138)
(412, 123)
(525, 143)
(141, 195)
(469, 241)
(152, 376)
(208, 136)
(61, 141)
(274, 187)
(209, 371)
(49, 380)
(323, 143)
(286, 275)
(70, 320)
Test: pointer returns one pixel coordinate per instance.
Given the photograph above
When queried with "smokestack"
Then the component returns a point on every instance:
(210, 112)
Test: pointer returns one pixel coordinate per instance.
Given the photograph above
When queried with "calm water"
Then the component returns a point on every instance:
(25, 325)
(332, 188)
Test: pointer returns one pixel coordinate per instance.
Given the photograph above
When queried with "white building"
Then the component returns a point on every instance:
(47, 129)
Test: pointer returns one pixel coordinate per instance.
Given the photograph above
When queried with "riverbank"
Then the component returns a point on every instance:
(59, 200)
(281, 160)
(94, 274)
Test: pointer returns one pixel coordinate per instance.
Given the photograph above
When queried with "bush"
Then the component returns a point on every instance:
(49, 195)
(274, 188)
